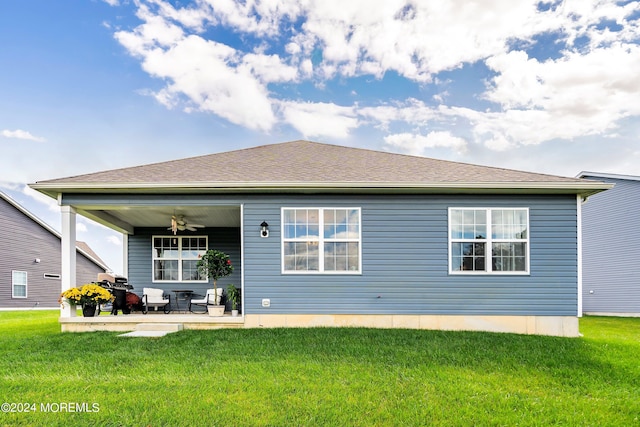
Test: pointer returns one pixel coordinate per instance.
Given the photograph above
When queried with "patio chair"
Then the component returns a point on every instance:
(153, 297)
(208, 300)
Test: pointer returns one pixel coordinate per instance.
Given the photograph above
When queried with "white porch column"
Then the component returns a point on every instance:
(125, 254)
(242, 260)
(68, 255)
(580, 201)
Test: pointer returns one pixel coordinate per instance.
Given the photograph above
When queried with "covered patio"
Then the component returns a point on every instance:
(144, 221)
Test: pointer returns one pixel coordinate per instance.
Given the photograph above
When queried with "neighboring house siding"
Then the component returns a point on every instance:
(611, 244)
(405, 260)
(140, 258)
(24, 240)
(86, 270)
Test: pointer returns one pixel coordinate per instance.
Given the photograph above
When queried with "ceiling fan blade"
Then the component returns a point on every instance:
(179, 223)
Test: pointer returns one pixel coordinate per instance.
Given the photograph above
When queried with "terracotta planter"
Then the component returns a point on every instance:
(216, 310)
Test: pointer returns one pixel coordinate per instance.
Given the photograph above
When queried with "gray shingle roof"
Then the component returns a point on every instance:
(84, 246)
(305, 163)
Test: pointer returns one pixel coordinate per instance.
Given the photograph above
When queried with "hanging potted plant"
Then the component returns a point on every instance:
(233, 295)
(89, 296)
(215, 264)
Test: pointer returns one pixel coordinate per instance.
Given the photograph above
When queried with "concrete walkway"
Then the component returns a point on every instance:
(154, 330)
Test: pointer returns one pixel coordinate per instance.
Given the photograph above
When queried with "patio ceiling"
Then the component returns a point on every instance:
(126, 218)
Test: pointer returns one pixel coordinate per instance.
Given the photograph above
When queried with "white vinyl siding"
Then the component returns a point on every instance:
(18, 284)
(321, 240)
(489, 240)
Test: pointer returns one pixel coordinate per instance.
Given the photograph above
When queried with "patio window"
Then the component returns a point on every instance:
(18, 284)
(321, 240)
(175, 258)
(489, 240)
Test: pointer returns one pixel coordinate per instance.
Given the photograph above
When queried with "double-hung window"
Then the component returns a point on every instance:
(489, 240)
(18, 284)
(175, 258)
(321, 240)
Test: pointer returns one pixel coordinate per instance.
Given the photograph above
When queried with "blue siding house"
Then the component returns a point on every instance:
(611, 242)
(324, 235)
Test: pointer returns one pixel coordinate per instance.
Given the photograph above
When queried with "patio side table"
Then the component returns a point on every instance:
(186, 296)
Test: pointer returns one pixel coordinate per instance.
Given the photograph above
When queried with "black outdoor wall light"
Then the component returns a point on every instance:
(264, 229)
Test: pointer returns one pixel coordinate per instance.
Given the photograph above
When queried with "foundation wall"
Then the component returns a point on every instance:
(561, 326)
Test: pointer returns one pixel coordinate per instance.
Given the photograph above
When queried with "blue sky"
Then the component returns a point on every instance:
(542, 86)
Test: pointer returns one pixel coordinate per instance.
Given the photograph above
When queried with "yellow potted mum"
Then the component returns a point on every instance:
(88, 296)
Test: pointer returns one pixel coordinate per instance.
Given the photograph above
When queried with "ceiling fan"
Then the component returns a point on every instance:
(178, 223)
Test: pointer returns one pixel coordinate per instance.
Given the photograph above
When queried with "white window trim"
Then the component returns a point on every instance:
(179, 258)
(489, 242)
(321, 241)
(13, 284)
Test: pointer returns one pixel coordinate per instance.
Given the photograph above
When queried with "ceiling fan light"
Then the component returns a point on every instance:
(174, 225)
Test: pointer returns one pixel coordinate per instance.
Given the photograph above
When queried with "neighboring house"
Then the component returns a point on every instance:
(353, 237)
(30, 261)
(611, 242)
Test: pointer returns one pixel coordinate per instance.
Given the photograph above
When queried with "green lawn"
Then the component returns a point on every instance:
(335, 377)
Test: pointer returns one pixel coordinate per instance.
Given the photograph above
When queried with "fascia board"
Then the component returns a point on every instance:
(608, 175)
(582, 188)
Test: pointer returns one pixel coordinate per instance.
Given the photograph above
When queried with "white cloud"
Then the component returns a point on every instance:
(320, 119)
(573, 96)
(418, 144)
(412, 111)
(155, 33)
(112, 2)
(51, 204)
(585, 88)
(10, 185)
(114, 240)
(268, 68)
(352, 38)
(415, 39)
(81, 227)
(260, 17)
(190, 17)
(206, 75)
(21, 134)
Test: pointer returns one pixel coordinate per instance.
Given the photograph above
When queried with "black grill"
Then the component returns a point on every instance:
(118, 283)
(119, 287)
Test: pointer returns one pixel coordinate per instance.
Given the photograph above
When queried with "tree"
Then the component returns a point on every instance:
(215, 264)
